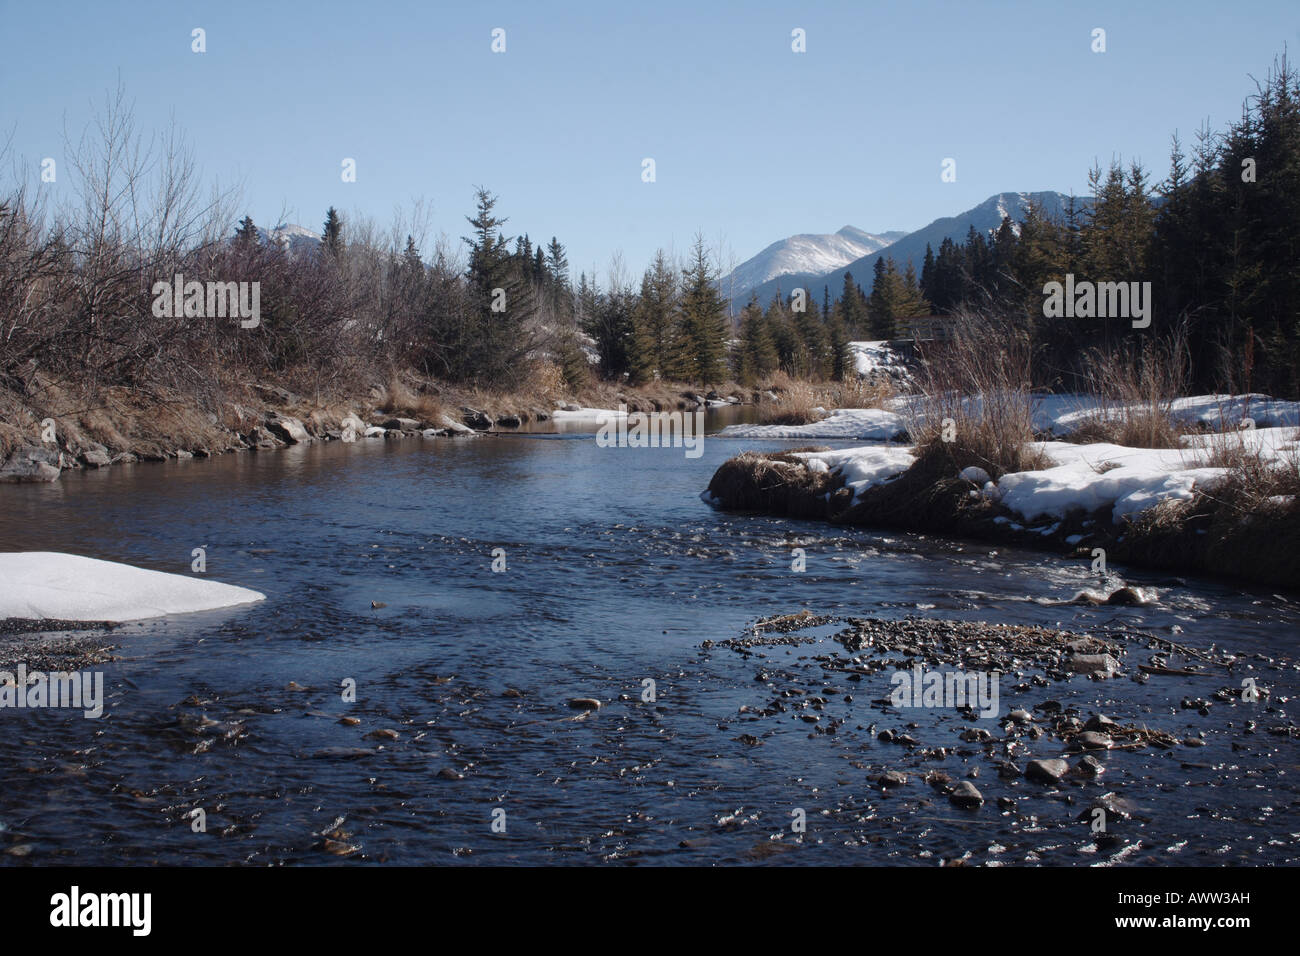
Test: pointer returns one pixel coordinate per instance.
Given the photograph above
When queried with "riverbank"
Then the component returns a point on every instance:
(48, 428)
(1214, 508)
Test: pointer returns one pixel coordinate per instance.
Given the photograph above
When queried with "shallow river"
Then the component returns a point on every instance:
(615, 573)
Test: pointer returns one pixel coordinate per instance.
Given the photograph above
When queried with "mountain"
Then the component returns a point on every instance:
(984, 217)
(293, 237)
(806, 254)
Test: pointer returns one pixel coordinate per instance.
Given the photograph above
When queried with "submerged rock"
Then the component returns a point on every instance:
(1046, 771)
(965, 795)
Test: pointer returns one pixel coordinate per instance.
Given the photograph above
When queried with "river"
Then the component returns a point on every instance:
(615, 574)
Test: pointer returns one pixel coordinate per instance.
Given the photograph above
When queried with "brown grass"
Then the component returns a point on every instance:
(976, 406)
(798, 405)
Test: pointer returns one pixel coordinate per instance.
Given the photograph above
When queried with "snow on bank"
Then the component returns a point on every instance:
(1061, 414)
(592, 416)
(1052, 414)
(68, 587)
(862, 467)
(1089, 477)
(865, 424)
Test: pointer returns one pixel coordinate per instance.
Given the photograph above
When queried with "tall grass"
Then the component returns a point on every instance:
(1133, 392)
(975, 406)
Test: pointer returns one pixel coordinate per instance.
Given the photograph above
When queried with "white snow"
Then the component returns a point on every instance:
(68, 587)
(1127, 480)
(866, 424)
(1061, 414)
(592, 415)
(862, 467)
(874, 359)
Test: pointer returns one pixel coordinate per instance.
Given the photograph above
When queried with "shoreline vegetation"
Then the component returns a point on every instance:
(1233, 511)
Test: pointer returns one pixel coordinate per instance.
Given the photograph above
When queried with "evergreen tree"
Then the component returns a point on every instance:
(703, 320)
(332, 236)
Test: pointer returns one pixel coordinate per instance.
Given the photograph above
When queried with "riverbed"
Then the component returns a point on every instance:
(616, 583)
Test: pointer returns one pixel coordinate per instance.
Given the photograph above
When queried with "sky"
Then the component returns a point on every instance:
(751, 141)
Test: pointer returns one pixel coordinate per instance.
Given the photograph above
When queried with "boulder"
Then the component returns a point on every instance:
(96, 456)
(288, 429)
(31, 463)
(965, 795)
(455, 427)
(475, 419)
(1099, 665)
(1046, 771)
(401, 425)
(352, 427)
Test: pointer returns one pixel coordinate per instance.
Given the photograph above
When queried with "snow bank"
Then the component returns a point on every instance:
(862, 467)
(865, 424)
(1061, 414)
(68, 587)
(594, 416)
(1127, 480)
(1052, 414)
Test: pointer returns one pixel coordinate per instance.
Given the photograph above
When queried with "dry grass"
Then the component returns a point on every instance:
(857, 393)
(1134, 391)
(798, 405)
(976, 407)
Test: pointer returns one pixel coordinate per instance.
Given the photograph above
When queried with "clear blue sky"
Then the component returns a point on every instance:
(752, 142)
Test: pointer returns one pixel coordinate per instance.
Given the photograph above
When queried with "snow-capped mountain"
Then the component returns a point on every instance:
(807, 253)
(293, 237)
(909, 247)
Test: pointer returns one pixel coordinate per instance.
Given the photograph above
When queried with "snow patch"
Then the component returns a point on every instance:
(68, 587)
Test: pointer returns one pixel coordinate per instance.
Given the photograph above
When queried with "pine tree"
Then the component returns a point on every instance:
(332, 236)
(493, 344)
(703, 319)
(246, 236)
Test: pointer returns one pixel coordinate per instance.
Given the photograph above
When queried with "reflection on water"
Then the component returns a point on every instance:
(615, 574)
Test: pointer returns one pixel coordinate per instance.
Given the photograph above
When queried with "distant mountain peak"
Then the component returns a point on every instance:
(775, 267)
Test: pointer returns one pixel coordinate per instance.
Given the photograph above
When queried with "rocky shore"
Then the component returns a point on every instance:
(38, 447)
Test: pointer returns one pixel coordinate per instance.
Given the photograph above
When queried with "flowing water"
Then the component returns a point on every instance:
(615, 574)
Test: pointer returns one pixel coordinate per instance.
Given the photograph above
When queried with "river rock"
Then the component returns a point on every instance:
(509, 421)
(288, 429)
(96, 456)
(1097, 665)
(891, 779)
(1046, 771)
(31, 463)
(475, 419)
(401, 424)
(965, 795)
(375, 431)
(1092, 740)
(584, 703)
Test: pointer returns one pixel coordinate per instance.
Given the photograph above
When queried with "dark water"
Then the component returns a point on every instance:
(616, 572)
